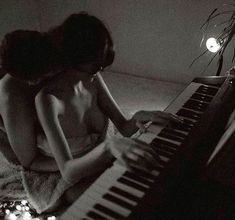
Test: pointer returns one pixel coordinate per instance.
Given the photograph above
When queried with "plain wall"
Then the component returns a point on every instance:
(154, 38)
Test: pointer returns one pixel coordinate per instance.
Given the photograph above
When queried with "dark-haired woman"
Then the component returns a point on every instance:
(75, 106)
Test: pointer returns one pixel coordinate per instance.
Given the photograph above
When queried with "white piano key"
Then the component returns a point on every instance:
(122, 186)
(183, 97)
(104, 189)
(86, 204)
(156, 129)
(147, 137)
(136, 181)
(129, 189)
(113, 206)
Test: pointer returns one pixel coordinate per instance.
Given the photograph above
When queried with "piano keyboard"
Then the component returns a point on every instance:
(117, 191)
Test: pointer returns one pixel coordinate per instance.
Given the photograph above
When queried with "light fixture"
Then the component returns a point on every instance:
(212, 45)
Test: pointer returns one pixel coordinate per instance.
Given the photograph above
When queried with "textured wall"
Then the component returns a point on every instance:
(154, 38)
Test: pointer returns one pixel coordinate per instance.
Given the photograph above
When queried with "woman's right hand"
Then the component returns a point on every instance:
(133, 153)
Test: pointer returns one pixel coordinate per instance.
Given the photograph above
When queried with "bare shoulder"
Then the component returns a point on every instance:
(8, 87)
(13, 93)
(47, 100)
(100, 84)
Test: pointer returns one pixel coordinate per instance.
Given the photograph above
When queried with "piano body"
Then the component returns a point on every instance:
(180, 188)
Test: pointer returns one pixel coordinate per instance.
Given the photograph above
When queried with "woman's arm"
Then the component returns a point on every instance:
(138, 120)
(111, 109)
(72, 170)
(19, 125)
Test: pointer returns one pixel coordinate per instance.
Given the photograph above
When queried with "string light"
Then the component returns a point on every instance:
(20, 210)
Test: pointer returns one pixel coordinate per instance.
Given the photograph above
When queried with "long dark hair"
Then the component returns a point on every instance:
(27, 54)
(83, 38)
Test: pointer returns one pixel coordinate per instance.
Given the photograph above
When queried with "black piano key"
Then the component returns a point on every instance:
(195, 105)
(188, 114)
(118, 201)
(95, 215)
(207, 90)
(170, 137)
(108, 211)
(174, 132)
(201, 97)
(132, 184)
(157, 141)
(183, 127)
(164, 153)
(188, 123)
(137, 178)
(166, 148)
(144, 173)
(124, 194)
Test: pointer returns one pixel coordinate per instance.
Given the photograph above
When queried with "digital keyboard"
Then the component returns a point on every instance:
(121, 194)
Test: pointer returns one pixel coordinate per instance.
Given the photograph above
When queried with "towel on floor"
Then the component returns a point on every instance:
(11, 187)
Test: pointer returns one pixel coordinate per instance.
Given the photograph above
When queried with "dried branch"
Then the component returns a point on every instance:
(224, 37)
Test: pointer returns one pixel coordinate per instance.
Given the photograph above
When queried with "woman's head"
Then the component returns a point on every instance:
(27, 55)
(83, 39)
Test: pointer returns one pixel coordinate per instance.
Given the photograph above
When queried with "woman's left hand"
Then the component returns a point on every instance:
(158, 117)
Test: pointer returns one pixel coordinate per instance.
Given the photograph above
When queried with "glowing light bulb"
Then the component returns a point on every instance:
(24, 202)
(7, 211)
(18, 207)
(51, 218)
(212, 45)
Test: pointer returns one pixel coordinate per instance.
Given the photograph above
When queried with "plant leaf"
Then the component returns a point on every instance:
(233, 54)
(204, 52)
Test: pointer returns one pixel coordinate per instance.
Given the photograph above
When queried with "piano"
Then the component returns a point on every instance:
(174, 189)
